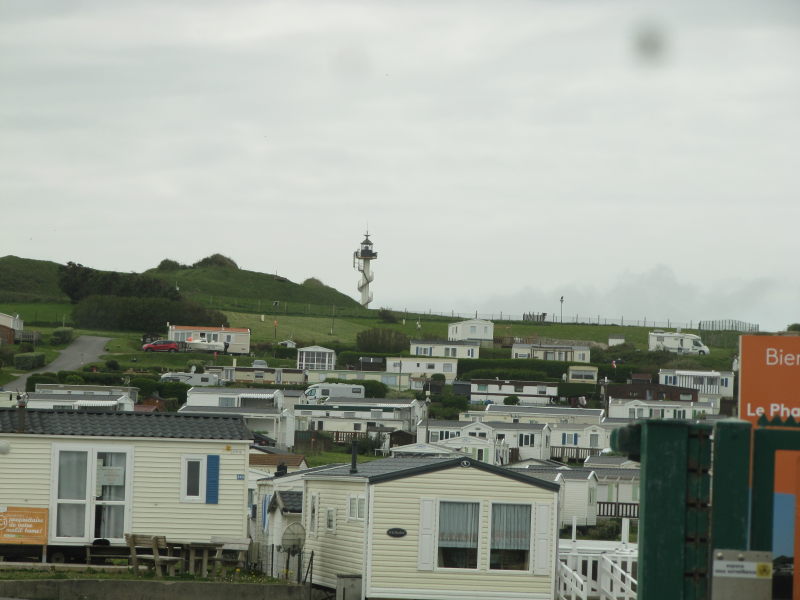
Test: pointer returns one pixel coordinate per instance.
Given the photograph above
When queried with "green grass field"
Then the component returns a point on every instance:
(325, 458)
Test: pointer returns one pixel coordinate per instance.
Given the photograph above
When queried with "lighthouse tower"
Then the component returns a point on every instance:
(361, 259)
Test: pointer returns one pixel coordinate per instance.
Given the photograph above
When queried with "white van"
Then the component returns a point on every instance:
(677, 342)
(315, 393)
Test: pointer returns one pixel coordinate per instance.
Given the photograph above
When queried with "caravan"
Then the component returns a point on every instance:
(315, 394)
(675, 341)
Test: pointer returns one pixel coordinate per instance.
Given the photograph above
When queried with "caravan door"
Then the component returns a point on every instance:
(90, 494)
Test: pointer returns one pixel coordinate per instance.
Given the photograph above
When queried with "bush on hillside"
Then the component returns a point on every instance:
(512, 400)
(112, 365)
(61, 335)
(216, 260)
(112, 313)
(387, 316)
(379, 339)
(793, 327)
(74, 380)
(170, 265)
(79, 282)
(28, 360)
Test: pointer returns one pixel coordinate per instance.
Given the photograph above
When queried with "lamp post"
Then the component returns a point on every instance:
(562, 310)
(427, 414)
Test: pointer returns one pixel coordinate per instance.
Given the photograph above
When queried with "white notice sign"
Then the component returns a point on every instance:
(742, 569)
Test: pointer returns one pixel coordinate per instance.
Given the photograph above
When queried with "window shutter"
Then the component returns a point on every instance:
(563, 439)
(212, 479)
(543, 533)
(427, 530)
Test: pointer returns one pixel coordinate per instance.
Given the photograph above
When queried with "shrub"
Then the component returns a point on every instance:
(387, 316)
(199, 366)
(512, 400)
(793, 327)
(61, 335)
(30, 385)
(29, 360)
(26, 347)
(112, 365)
(74, 380)
(169, 265)
(379, 339)
(116, 313)
(216, 260)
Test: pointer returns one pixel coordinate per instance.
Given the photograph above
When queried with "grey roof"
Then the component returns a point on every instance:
(388, 469)
(448, 343)
(292, 502)
(605, 461)
(75, 397)
(621, 473)
(302, 472)
(230, 390)
(568, 473)
(492, 424)
(544, 410)
(126, 424)
(337, 401)
(227, 410)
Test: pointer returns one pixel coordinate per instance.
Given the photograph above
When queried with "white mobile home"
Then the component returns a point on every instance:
(76, 401)
(562, 352)
(425, 528)
(445, 349)
(577, 496)
(83, 476)
(534, 414)
(472, 329)
(234, 340)
(710, 385)
(495, 391)
(419, 367)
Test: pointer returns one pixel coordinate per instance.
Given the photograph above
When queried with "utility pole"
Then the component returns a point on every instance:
(562, 310)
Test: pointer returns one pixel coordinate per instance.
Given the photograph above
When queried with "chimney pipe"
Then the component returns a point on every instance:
(21, 414)
(354, 454)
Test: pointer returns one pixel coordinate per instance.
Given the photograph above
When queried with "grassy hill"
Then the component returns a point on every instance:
(231, 288)
(26, 279)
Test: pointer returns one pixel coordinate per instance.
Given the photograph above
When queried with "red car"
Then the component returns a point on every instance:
(161, 346)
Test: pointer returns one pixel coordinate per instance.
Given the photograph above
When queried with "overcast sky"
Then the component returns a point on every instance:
(638, 158)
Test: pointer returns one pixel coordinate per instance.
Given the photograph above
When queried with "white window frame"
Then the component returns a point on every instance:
(530, 542)
(359, 502)
(330, 519)
(185, 460)
(91, 477)
(481, 543)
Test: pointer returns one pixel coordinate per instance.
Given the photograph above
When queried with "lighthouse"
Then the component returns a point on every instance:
(361, 263)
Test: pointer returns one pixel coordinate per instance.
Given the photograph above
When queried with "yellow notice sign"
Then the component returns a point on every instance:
(23, 525)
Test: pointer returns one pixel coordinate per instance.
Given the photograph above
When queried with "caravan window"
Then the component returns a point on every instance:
(511, 537)
(458, 535)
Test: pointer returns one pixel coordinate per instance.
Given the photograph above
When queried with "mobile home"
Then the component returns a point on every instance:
(677, 342)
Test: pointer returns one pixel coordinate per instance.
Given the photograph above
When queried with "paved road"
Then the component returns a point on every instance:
(85, 349)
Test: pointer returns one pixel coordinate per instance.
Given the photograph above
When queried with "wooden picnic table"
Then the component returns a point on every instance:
(203, 552)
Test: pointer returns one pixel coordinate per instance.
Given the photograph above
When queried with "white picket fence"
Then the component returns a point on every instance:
(589, 570)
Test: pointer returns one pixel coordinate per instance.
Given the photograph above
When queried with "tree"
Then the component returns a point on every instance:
(387, 316)
(216, 260)
(511, 400)
(793, 327)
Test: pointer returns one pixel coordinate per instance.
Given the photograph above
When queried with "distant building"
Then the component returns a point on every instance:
(446, 349)
(561, 352)
(237, 339)
(473, 329)
(316, 358)
(485, 391)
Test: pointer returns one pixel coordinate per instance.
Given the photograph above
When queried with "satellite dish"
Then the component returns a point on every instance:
(293, 539)
(193, 369)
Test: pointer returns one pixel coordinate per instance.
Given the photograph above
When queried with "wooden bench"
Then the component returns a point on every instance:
(98, 554)
(232, 554)
(159, 553)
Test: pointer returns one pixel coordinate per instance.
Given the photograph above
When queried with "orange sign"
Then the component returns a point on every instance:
(22, 525)
(769, 377)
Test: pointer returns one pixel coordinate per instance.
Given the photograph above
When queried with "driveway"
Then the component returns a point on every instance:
(85, 349)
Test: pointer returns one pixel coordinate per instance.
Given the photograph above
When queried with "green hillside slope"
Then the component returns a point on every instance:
(232, 288)
(26, 279)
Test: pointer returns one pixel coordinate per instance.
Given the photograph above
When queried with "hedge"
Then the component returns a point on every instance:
(29, 360)
(61, 335)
